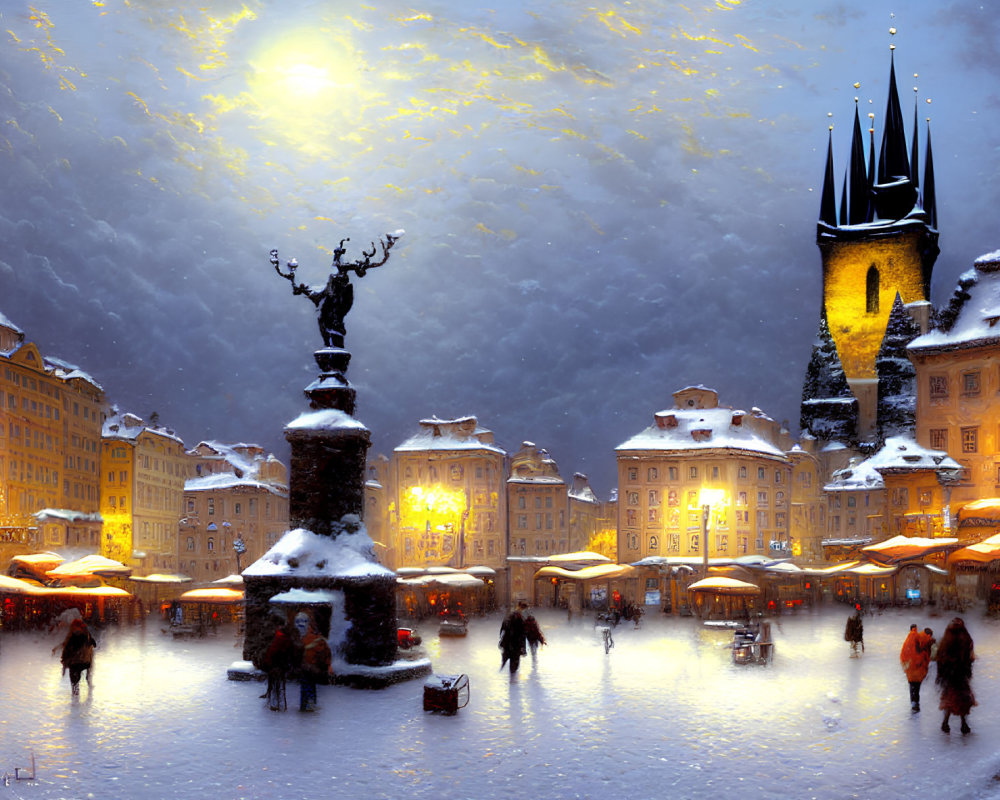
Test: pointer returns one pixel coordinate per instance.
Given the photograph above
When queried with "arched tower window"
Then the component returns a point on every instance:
(871, 291)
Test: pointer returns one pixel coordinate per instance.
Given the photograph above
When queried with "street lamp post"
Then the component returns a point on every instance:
(708, 498)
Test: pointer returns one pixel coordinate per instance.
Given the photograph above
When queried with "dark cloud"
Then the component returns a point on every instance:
(602, 204)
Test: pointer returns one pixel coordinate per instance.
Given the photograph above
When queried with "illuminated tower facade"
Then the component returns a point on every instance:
(882, 241)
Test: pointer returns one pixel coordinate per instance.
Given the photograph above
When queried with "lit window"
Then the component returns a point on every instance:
(939, 439)
(970, 440)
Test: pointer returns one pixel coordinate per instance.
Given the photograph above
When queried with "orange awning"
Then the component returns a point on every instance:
(902, 548)
(724, 585)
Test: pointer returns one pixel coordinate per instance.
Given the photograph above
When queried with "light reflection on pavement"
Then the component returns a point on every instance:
(664, 714)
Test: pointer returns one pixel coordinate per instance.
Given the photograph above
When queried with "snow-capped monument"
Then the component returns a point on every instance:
(326, 564)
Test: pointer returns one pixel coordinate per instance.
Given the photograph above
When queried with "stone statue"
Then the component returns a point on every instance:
(334, 300)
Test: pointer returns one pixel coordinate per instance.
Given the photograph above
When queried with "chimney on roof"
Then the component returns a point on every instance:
(665, 421)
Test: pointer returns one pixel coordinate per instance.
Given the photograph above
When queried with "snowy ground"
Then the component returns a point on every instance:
(665, 714)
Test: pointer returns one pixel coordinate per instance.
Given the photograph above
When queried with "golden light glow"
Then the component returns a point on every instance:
(309, 84)
(713, 497)
(442, 508)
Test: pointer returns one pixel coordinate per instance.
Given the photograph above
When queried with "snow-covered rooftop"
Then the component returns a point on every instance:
(978, 317)
(462, 433)
(701, 429)
(129, 427)
(899, 453)
(227, 480)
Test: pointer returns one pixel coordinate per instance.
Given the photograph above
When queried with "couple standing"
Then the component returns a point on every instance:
(954, 659)
(516, 633)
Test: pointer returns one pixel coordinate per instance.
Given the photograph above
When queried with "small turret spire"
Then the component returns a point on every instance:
(914, 148)
(858, 209)
(870, 216)
(929, 201)
(828, 201)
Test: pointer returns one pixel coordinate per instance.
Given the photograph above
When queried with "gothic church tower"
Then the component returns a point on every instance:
(884, 241)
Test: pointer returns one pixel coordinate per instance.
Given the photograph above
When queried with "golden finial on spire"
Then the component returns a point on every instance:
(892, 47)
(892, 31)
(857, 84)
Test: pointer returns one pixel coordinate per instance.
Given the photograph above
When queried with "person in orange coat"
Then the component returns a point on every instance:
(915, 658)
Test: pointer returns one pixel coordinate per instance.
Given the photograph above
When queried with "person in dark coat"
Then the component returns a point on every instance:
(854, 632)
(955, 655)
(279, 658)
(533, 633)
(78, 654)
(512, 638)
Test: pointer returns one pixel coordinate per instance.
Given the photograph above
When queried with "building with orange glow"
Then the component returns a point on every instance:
(50, 431)
(538, 511)
(235, 509)
(958, 381)
(448, 497)
(700, 454)
(143, 470)
(593, 524)
(882, 242)
(807, 523)
(903, 489)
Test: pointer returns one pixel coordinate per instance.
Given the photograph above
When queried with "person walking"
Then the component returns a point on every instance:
(316, 661)
(77, 654)
(533, 633)
(915, 658)
(854, 632)
(512, 638)
(955, 655)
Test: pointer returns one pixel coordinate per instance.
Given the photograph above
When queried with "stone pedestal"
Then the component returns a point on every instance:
(327, 553)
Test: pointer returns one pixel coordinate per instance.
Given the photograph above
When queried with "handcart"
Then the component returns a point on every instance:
(446, 693)
(752, 644)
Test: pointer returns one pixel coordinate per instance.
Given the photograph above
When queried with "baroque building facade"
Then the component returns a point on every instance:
(143, 470)
(235, 508)
(448, 497)
(958, 381)
(50, 432)
(538, 513)
(699, 456)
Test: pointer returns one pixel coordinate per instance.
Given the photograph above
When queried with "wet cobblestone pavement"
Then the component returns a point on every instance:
(665, 714)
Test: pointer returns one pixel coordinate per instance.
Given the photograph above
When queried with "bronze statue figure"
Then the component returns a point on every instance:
(334, 300)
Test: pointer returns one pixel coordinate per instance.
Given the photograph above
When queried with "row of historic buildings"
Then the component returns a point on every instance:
(899, 435)
(77, 475)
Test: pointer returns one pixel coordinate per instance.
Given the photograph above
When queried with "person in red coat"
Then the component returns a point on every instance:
(915, 658)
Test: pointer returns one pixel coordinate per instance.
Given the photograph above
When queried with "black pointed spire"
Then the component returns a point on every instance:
(929, 201)
(893, 162)
(870, 215)
(844, 220)
(828, 202)
(914, 148)
(858, 212)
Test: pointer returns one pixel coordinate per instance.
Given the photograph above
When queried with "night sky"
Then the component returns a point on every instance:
(602, 203)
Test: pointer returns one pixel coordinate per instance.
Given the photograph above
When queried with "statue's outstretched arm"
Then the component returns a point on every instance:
(297, 288)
